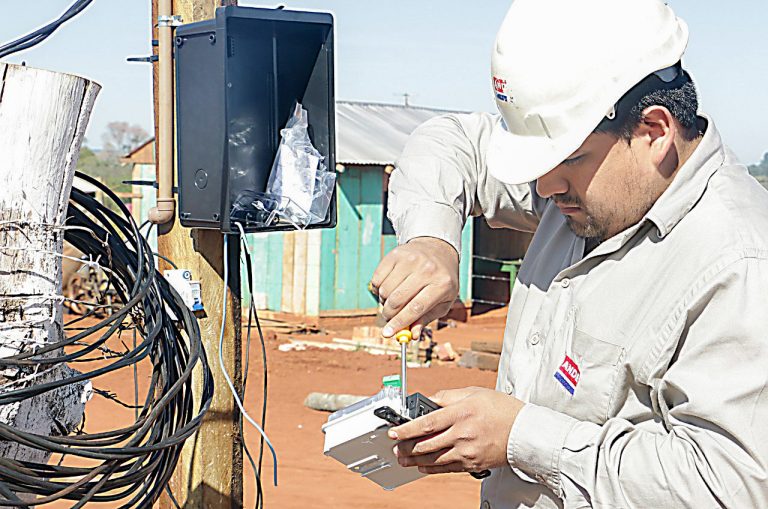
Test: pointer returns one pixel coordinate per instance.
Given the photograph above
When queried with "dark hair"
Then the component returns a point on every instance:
(678, 95)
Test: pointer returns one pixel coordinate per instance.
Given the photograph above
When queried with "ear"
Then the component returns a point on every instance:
(658, 129)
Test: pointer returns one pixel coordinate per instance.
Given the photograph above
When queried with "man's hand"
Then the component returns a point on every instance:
(418, 282)
(468, 434)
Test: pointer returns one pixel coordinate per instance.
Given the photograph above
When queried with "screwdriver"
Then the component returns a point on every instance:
(404, 337)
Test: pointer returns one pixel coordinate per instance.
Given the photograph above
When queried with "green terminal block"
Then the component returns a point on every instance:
(391, 381)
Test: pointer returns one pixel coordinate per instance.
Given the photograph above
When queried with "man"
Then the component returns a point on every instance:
(633, 372)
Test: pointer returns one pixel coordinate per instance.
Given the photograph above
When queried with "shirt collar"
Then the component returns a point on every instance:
(691, 180)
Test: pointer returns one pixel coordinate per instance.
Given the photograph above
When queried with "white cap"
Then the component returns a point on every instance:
(559, 67)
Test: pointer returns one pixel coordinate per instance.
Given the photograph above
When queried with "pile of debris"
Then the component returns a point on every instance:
(482, 355)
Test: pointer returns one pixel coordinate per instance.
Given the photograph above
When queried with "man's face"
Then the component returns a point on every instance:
(604, 187)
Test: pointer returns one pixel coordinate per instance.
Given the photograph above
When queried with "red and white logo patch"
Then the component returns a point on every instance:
(568, 374)
(499, 85)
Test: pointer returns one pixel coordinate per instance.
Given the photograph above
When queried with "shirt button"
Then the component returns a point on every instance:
(508, 388)
(486, 505)
(535, 338)
(565, 283)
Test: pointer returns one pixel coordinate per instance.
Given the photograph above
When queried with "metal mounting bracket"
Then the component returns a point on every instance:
(170, 21)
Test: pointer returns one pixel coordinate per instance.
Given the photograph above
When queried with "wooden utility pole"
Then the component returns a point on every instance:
(43, 116)
(210, 470)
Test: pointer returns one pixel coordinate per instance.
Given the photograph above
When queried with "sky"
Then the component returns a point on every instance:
(436, 51)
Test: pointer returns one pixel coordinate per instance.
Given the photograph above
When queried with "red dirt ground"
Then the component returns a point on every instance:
(308, 479)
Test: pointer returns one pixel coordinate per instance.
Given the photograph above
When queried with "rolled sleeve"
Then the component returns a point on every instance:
(536, 443)
(441, 179)
(429, 219)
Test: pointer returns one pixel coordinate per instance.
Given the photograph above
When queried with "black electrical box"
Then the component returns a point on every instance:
(238, 80)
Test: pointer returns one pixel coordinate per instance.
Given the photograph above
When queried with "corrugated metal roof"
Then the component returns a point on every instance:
(370, 133)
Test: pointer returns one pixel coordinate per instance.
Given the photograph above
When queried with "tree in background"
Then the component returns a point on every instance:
(118, 140)
(760, 168)
(760, 171)
(122, 137)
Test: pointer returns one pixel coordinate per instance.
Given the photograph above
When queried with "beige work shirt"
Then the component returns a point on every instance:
(645, 362)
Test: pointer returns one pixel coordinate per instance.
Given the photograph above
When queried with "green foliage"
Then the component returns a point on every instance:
(760, 171)
(761, 168)
(118, 140)
(108, 169)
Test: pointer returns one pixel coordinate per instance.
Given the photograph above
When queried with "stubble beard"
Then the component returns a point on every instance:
(591, 227)
(601, 221)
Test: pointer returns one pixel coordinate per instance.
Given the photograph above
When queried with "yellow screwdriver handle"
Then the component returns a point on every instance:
(404, 336)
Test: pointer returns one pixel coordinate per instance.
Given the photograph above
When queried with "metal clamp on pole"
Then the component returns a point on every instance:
(173, 20)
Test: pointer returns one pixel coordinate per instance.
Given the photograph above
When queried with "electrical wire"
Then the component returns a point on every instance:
(131, 465)
(41, 34)
(254, 316)
(231, 386)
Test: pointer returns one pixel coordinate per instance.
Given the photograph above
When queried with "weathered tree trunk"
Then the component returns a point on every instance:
(43, 116)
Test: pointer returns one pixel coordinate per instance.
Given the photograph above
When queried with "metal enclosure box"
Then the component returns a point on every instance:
(238, 78)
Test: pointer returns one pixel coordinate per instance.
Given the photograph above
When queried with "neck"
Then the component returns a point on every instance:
(689, 145)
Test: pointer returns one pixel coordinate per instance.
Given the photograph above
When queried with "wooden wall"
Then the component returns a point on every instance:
(326, 272)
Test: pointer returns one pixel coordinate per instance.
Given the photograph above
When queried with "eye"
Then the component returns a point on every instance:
(573, 160)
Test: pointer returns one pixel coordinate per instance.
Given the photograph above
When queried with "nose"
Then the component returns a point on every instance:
(551, 183)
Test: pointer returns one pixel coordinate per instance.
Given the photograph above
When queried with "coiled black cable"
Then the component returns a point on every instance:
(134, 463)
(41, 34)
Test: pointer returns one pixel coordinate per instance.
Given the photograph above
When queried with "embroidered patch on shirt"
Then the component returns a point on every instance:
(568, 375)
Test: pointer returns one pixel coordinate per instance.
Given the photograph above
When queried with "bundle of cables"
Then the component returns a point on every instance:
(130, 465)
(42, 33)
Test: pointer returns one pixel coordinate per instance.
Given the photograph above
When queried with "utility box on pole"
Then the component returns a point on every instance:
(238, 79)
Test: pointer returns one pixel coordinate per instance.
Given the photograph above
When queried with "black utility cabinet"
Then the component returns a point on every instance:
(238, 78)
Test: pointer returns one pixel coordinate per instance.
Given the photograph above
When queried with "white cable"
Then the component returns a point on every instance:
(221, 360)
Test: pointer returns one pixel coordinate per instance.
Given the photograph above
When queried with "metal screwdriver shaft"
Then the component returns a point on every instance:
(404, 337)
(403, 378)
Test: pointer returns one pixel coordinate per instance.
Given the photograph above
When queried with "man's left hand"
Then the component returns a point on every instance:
(468, 434)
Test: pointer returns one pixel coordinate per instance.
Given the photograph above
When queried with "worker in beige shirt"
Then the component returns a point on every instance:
(635, 363)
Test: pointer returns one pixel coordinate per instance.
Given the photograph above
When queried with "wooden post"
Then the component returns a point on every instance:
(210, 470)
(43, 116)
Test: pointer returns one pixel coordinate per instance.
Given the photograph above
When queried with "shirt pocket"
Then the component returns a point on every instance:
(596, 364)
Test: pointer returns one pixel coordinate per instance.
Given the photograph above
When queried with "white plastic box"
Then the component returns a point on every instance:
(358, 439)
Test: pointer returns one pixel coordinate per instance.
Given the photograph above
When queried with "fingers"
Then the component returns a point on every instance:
(399, 292)
(391, 282)
(443, 460)
(417, 282)
(443, 469)
(417, 328)
(426, 446)
(383, 270)
(441, 457)
(433, 422)
(428, 304)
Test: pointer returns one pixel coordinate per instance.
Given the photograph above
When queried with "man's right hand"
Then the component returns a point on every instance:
(417, 282)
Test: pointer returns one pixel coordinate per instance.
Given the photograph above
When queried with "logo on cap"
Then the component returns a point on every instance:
(499, 85)
(568, 375)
